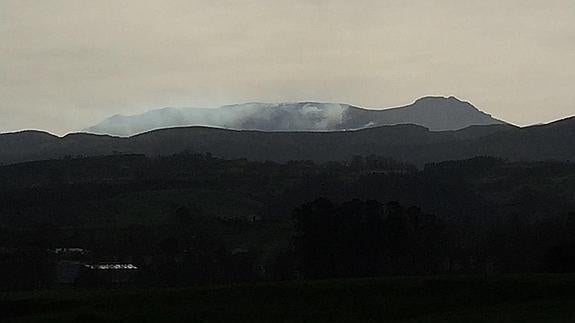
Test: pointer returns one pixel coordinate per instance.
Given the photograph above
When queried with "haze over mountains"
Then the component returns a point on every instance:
(431, 129)
(435, 113)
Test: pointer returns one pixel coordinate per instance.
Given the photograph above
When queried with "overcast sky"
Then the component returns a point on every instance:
(67, 64)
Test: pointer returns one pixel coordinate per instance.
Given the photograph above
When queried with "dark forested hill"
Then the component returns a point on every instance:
(410, 143)
(229, 217)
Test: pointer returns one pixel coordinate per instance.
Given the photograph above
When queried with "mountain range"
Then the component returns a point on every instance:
(410, 143)
(431, 129)
(434, 113)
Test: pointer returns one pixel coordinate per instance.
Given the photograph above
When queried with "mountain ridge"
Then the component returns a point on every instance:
(405, 142)
(434, 112)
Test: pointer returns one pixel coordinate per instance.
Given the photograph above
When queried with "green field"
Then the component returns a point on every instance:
(525, 298)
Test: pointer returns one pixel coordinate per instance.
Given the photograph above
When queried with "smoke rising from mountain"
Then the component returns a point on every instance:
(436, 113)
(252, 116)
(66, 63)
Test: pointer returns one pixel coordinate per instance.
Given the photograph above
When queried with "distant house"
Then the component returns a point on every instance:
(70, 253)
(78, 273)
(114, 272)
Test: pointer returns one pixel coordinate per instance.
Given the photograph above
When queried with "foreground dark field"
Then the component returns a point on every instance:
(525, 298)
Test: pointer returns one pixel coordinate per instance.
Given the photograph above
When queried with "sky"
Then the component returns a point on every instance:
(68, 64)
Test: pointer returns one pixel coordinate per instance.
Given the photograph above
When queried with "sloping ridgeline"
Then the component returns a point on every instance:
(410, 143)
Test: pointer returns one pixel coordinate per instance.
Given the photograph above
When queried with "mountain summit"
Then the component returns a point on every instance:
(435, 113)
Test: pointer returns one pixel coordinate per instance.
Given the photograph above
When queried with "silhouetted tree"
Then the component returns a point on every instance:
(364, 238)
